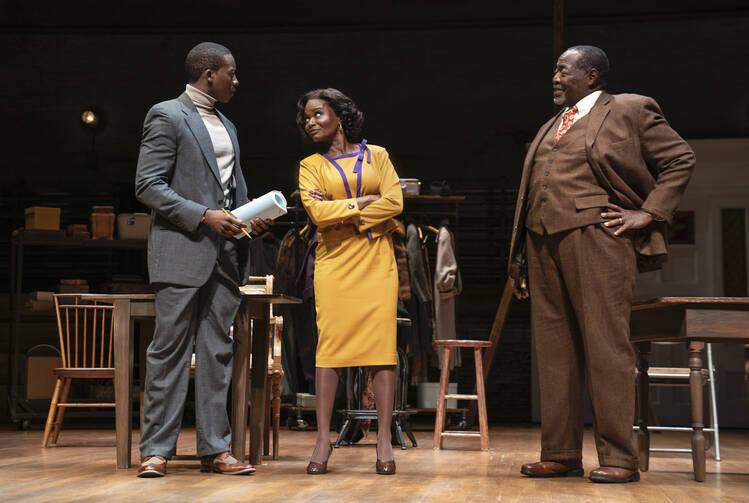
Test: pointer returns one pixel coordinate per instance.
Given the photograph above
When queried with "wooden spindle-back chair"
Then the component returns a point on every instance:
(86, 344)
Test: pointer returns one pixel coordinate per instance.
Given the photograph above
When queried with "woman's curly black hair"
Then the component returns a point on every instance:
(352, 119)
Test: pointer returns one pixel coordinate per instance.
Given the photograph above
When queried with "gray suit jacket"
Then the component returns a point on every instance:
(178, 178)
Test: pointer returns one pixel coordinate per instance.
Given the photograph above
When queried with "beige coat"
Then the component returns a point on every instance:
(447, 284)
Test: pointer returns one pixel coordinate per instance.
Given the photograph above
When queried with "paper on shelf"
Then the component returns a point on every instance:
(271, 205)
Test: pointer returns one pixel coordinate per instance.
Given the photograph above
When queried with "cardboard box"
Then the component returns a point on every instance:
(133, 225)
(410, 186)
(40, 381)
(428, 392)
(42, 218)
(102, 225)
(306, 400)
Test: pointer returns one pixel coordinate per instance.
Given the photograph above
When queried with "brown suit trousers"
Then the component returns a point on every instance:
(581, 284)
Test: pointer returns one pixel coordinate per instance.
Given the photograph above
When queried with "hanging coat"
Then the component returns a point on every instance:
(447, 285)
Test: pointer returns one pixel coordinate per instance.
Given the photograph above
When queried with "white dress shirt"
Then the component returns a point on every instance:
(583, 107)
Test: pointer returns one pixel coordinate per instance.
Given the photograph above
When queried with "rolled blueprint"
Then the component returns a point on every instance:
(270, 205)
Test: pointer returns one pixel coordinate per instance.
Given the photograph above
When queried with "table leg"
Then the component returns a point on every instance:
(239, 381)
(123, 381)
(695, 395)
(276, 411)
(643, 404)
(259, 382)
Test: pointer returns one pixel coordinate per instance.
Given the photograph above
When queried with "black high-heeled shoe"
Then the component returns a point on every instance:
(315, 468)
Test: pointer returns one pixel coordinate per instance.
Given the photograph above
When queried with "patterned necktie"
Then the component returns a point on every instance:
(566, 123)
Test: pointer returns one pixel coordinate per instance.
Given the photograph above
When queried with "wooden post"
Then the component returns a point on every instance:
(557, 36)
(746, 368)
(494, 337)
(643, 404)
(695, 395)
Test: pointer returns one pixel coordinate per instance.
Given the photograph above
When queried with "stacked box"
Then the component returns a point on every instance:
(42, 218)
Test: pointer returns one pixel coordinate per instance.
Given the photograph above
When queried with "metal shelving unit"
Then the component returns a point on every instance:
(20, 411)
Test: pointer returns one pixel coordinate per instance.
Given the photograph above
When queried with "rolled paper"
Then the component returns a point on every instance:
(268, 206)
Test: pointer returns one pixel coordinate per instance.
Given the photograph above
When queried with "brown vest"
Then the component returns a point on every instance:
(563, 193)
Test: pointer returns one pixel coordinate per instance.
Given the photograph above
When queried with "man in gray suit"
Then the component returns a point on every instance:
(188, 172)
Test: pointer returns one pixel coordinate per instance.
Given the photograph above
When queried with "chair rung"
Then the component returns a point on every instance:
(461, 397)
(674, 428)
(461, 434)
(672, 373)
(669, 370)
(85, 405)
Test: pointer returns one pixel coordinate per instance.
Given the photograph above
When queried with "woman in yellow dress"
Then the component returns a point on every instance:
(351, 192)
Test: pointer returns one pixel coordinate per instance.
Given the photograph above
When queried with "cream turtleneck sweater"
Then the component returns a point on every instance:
(222, 145)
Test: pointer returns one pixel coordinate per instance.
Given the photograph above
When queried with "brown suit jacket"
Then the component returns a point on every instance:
(636, 156)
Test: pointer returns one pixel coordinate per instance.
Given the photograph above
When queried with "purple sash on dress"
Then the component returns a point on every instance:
(357, 170)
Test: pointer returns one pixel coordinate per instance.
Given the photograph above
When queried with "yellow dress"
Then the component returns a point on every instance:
(356, 280)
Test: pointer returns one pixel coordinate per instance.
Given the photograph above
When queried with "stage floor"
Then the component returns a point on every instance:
(82, 468)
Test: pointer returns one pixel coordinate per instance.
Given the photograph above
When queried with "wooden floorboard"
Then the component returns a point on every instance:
(82, 468)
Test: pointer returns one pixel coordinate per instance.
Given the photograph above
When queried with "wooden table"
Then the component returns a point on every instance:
(253, 310)
(696, 321)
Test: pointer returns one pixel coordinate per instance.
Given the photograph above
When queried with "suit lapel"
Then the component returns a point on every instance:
(198, 129)
(597, 115)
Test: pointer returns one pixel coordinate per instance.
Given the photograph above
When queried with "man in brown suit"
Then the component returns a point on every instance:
(599, 182)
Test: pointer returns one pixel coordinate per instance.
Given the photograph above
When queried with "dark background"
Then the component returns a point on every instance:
(454, 90)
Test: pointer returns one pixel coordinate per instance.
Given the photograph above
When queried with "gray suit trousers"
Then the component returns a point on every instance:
(190, 318)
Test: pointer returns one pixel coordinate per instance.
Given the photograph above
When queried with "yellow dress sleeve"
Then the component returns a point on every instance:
(324, 213)
(390, 203)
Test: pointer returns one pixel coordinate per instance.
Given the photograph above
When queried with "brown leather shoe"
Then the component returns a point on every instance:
(614, 475)
(315, 468)
(225, 464)
(152, 466)
(552, 469)
(385, 467)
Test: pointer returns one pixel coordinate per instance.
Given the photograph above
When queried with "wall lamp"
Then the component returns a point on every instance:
(91, 117)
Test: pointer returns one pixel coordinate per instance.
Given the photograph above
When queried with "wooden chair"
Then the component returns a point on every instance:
(85, 332)
(275, 368)
(445, 347)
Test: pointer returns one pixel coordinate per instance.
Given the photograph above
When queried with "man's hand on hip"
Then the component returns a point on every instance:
(625, 219)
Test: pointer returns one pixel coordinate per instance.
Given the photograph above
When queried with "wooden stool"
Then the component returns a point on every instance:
(446, 346)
